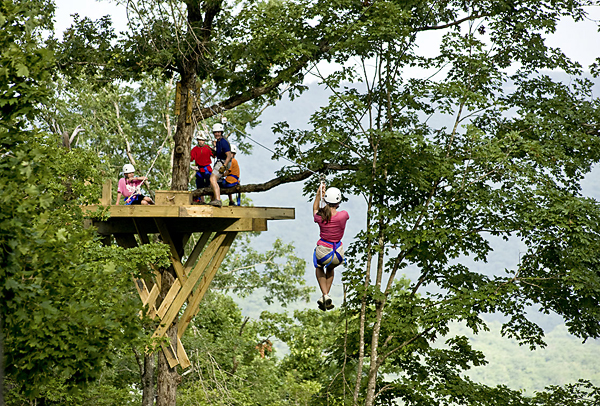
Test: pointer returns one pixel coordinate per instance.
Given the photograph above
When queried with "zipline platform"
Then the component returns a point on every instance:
(175, 219)
(177, 210)
(185, 219)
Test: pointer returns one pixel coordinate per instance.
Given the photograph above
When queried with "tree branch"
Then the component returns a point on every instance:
(452, 24)
(263, 187)
(258, 91)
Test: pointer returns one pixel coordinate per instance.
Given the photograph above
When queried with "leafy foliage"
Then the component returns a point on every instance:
(488, 145)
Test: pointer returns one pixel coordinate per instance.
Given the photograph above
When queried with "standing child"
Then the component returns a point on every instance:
(329, 252)
(202, 155)
(129, 187)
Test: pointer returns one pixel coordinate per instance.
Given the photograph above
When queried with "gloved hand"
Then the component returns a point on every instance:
(222, 170)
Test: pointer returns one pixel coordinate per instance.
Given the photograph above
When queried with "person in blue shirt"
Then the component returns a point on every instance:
(223, 163)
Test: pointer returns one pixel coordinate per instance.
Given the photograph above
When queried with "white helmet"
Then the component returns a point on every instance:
(218, 127)
(128, 168)
(332, 196)
(234, 149)
(201, 136)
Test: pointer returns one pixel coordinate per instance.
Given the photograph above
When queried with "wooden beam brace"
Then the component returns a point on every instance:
(184, 361)
(143, 236)
(196, 297)
(168, 300)
(196, 252)
(188, 286)
(126, 240)
(171, 355)
(175, 259)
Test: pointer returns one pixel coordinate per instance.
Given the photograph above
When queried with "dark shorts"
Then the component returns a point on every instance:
(135, 199)
(202, 179)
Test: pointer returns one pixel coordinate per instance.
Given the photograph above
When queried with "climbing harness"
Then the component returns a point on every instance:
(328, 259)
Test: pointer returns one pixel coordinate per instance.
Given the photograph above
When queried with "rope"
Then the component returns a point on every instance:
(138, 188)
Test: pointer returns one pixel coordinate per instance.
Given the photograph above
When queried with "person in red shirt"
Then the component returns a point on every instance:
(329, 252)
(201, 156)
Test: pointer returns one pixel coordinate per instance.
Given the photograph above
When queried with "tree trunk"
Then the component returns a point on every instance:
(363, 311)
(380, 304)
(1, 360)
(148, 380)
(167, 378)
(183, 135)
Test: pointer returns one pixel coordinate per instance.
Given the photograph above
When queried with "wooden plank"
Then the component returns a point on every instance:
(185, 237)
(170, 354)
(147, 298)
(140, 286)
(173, 198)
(171, 294)
(194, 303)
(136, 211)
(189, 107)
(187, 288)
(157, 275)
(177, 98)
(175, 259)
(184, 361)
(150, 300)
(196, 252)
(271, 213)
(106, 199)
(259, 224)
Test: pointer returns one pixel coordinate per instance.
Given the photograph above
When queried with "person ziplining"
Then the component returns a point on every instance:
(129, 187)
(329, 251)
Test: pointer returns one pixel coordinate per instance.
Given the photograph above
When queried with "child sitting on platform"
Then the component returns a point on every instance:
(129, 188)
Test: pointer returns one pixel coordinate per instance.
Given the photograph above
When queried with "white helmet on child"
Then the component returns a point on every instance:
(234, 149)
(201, 136)
(218, 127)
(128, 168)
(332, 196)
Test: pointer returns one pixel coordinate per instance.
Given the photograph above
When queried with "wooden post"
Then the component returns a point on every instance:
(178, 98)
(106, 199)
(190, 106)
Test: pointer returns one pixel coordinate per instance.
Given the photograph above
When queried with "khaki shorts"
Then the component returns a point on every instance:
(322, 251)
(218, 166)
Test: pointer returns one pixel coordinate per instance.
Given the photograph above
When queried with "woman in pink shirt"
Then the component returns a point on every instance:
(329, 252)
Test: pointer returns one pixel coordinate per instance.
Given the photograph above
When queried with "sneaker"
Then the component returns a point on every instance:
(216, 203)
(327, 301)
(329, 306)
(321, 304)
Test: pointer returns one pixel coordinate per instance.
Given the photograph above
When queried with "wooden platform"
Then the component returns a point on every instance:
(175, 220)
(185, 219)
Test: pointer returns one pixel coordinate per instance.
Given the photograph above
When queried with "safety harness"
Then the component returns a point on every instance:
(226, 185)
(328, 259)
(204, 172)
